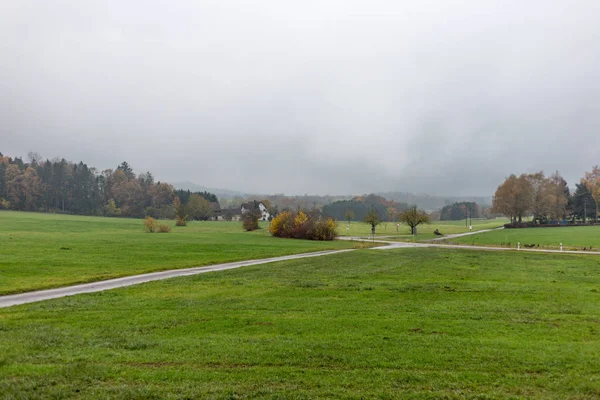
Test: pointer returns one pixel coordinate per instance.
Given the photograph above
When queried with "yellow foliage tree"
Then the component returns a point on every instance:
(300, 219)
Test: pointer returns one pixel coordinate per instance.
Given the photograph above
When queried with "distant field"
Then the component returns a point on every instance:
(424, 231)
(571, 237)
(48, 250)
(412, 323)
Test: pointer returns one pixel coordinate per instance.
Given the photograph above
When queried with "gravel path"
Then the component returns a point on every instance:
(31, 297)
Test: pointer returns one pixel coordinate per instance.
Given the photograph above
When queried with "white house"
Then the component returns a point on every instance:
(252, 205)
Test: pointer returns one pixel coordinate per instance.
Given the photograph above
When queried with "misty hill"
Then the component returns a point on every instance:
(221, 193)
(424, 201)
(431, 203)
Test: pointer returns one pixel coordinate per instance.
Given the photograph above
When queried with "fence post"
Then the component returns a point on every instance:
(561, 247)
(518, 245)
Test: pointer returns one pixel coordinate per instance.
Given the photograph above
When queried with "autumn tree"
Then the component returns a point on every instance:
(591, 180)
(14, 186)
(199, 208)
(162, 200)
(414, 217)
(372, 218)
(559, 196)
(541, 196)
(513, 198)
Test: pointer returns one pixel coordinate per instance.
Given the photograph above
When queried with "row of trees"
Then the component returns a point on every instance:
(412, 217)
(62, 186)
(548, 198)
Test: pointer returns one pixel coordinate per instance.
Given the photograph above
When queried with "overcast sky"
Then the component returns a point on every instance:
(330, 97)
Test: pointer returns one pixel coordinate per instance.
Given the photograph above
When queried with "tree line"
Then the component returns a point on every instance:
(360, 206)
(62, 186)
(462, 210)
(549, 198)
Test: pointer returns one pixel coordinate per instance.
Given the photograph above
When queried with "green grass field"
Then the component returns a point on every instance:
(413, 323)
(575, 238)
(47, 250)
(424, 231)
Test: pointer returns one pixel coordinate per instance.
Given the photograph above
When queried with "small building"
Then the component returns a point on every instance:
(227, 214)
(254, 205)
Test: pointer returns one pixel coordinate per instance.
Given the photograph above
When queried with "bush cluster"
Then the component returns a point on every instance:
(250, 220)
(301, 226)
(163, 228)
(153, 226)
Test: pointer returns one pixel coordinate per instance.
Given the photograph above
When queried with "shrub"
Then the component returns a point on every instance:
(301, 226)
(282, 225)
(111, 209)
(181, 221)
(163, 228)
(325, 229)
(150, 224)
(250, 220)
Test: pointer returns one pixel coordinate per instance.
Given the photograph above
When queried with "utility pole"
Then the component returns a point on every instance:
(584, 209)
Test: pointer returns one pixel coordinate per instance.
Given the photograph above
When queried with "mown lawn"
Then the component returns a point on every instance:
(425, 231)
(47, 250)
(411, 323)
(573, 237)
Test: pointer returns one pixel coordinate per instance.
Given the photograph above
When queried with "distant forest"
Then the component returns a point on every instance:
(358, 208)
(67, 187)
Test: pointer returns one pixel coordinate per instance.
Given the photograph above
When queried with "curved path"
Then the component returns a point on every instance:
(31, 297)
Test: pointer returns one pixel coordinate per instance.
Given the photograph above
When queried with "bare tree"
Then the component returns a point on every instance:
(414, 217)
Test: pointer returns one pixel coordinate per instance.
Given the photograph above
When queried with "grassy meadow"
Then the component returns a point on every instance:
(40, 251)
(411, 323)
(425, 231)
(572, 238)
